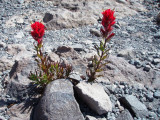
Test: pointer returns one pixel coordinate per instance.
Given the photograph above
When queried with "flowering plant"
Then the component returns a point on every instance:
(47, 70)
(99, 62)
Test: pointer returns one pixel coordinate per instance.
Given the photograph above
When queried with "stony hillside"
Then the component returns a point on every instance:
(129, 89)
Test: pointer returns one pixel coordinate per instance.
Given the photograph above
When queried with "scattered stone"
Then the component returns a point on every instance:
(88, 117)
(147, 68)
(157, 35)
(20, 21)
(149, 96)
(78, 47)
(126, 53)
(156, 61)
(121, 1)
(95, 32)
(19, 35)
(133, 104)
(158, 110)
(125, 115)
(53, 57)
(2, 45)
(20, 1)
(137, 63)
(94, 96)
(58, 103)
(156, 94)
(153, 116)
(158, 18)
(47, 17)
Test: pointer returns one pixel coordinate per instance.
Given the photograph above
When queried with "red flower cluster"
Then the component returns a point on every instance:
(108, 21)
(38, 31)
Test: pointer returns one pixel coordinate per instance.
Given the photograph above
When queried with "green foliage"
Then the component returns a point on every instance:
(47, 70)
(99, 61)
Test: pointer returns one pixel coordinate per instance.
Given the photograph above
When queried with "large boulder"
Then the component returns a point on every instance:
(75, 13)
(94, 96)
(120, 70)
(58, 103)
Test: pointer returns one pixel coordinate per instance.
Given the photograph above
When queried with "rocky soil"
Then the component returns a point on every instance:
(131, 82)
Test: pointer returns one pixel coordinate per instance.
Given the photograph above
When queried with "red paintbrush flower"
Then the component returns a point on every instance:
(108, 21)
(38, 31)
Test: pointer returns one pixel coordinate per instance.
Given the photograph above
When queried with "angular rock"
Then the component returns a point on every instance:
(127, 53)
(125, 115)
(156, 94)
(158, 18)
(149, 96)
(94, 96)
(18, 82)
(88, 117)
(156, 61)
(78, 47)
(121, 1)
(58, 103)
(73, 6)
(47, 17)
(95, 32)
(75, 13)
(120, 70)
(136, 108)
(54, 57)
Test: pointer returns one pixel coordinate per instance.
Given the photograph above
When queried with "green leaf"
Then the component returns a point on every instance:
(104, 57)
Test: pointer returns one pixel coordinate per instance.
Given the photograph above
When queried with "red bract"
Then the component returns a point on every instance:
(38, 31)
(108, 21)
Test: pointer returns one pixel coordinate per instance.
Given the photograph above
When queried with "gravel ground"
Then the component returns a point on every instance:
(139, 32)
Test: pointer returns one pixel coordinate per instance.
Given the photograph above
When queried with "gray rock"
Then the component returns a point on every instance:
(127, 54)
(149, 96)
(20, 1)
(78, 47)
(153, 29)
(147, 68)
(158, 110)
(133, 104)
(131, 29)
(137, 63)
(95, 32)
(121, 1)
(94, 96)
(156, 94)
(152, 116)
(58, 103)
(157, 35)
(18, 81)
(2, 118)
(88, 117)
(47, 17)
(156, 61)
(125, 115)
(70, 5)
(158, 18)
